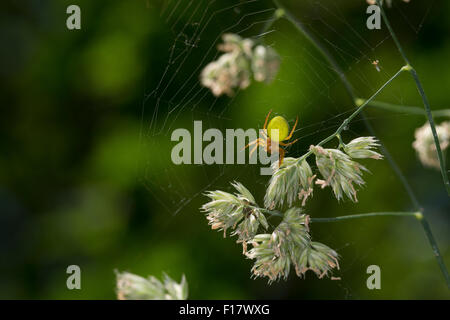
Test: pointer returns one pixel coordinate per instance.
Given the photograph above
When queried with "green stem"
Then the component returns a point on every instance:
(341, 142)
(269, 212)
(416, 214)
(423, 96)
(347, 121)
(407, 109)
(279, 13)
(365, 103)
(366, 215)
(434, 246)
(433, 130)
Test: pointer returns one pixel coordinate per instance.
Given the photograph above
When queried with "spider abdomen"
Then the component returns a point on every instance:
(278, 129)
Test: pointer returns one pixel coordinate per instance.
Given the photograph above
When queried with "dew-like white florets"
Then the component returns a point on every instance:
(242, 60)
(425, 145)
(290, 245)
(234, 211)
(134, 287)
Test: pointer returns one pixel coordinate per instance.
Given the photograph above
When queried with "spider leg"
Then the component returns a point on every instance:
(292, 131)
(281, 153)
(267, 118)
(266, 137)
(287, 144)
(257, 141)
(264, 134)
(261, 143)
(253, 150)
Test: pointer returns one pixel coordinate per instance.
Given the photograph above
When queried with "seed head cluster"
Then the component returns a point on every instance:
(292, 181)
(237, 211)
(289, 245)
(425, 146)
(134, 287)
(241, 60)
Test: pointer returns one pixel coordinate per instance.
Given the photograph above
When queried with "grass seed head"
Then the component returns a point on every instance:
(134, 287)
(290, 182)
(425, 146)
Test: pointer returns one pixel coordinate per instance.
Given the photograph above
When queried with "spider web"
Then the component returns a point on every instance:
(178, 99)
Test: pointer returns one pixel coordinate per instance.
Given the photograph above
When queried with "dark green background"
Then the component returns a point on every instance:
(86, 176)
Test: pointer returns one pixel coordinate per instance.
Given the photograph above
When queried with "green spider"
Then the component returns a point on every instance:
(273, 136)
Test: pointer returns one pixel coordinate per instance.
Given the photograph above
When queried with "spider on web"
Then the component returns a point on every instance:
(273, 136)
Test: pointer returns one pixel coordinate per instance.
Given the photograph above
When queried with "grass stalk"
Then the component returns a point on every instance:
(408, 109)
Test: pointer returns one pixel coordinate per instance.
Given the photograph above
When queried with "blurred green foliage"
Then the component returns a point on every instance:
(86, 176)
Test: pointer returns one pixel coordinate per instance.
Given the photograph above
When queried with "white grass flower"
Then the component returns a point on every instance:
(273, 251)
(134, 287)
(265, 64)
(318, 258)
(362, 147)
(230, 71)
(339, 172)
(288, 245)
(291, 181)
(425, 146)
(271, 262)
(234, 43)
(237, 211)
(174, 290)
(235, 68)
